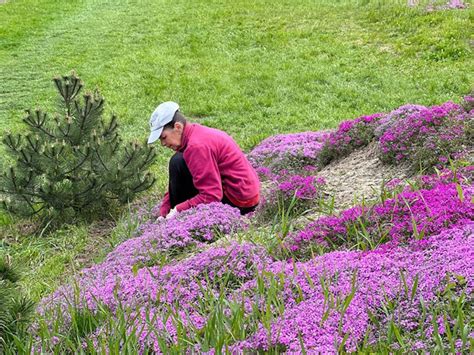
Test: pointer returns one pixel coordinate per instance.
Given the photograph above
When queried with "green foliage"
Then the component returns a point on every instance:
(74, 164)
(15, 309)
(280, 209)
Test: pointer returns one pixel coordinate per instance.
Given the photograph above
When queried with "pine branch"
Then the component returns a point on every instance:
(115, 141)
(78, 165)
(131, 156)
(77, 87)
(111, 128)
(26, 159)
(68, 92)
(100, 160)
(10, 142)
(28, 201)
(85, 112)
(38, 123)
(141, 186)
(64, 133)
(151, 154)
(92, 186)
(34, 145)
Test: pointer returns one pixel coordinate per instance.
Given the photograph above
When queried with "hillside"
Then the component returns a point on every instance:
(353, 114)
(390, 272)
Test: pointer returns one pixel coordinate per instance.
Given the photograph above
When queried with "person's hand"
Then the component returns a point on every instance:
(172, 213)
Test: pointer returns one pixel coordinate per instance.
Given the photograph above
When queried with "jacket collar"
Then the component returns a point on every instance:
(187, 132)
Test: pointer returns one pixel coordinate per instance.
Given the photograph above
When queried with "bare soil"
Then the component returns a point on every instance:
(360, 176)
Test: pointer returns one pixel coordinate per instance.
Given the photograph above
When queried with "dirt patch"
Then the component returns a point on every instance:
(99, 232)
(360, 176)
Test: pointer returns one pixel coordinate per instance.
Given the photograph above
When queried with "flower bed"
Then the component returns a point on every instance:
(350, 135)
(290, 152)
(435, 205)
(427, 137)
(123, 277)
(341, 300)
(396, 276)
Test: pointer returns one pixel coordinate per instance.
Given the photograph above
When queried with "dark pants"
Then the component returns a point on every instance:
(181, 187)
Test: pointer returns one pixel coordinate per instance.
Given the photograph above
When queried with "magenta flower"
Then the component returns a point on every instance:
(412, 214)
(373, 278)
(350, 135)
(287, 151)
(420, 135)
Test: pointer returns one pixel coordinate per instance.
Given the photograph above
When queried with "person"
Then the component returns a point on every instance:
(208, 165)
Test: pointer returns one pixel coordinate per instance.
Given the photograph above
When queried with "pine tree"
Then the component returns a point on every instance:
(74, 164)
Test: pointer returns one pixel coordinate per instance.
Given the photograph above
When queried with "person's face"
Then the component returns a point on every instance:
(171, 137)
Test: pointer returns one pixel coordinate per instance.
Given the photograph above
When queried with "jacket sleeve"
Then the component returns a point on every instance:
(165, 205)
(202, 164)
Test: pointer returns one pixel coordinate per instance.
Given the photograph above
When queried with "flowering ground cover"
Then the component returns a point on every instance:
(343, 300)
(285, 164)
(424, 136)
(291, 194)
(350, 135)
(155, 244)
(394, 116)
(411, 214)
(391, 276)
(287, 152)
(427, 136)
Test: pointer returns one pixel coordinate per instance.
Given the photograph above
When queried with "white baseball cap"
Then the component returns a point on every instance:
(162, 115)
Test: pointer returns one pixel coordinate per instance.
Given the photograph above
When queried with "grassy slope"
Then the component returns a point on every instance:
(251, 68)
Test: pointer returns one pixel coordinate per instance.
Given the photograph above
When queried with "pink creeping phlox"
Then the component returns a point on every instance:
(421, 212)
(287, 152)
(310, 319)
(161, 296)
(394, 116)
(301, 191)
(350, 135)
(425, 135)
(116, 275)
(152, 293)
(303, 187)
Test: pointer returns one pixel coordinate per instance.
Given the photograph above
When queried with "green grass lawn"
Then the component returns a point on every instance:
(252, 68)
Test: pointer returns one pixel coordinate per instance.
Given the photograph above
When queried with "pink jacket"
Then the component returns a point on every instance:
(218, 168)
